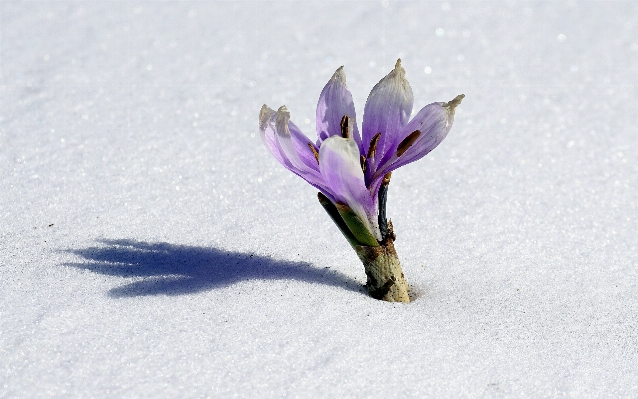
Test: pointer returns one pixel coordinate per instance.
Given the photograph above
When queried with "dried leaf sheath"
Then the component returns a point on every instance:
(385, 279)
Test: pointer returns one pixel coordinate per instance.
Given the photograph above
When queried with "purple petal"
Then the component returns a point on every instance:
(290, 146)
(268, 135)
(293, 143)
(301, 143)
(339, 162)
(387, 111)
(335, 101)
(434, 122)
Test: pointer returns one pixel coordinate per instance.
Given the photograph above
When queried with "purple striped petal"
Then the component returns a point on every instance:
(434, 122)
(290, 146)
(335, 101)
(339, 162)
(301, 143)
(268, 136)
(294, 144)
(387, 111)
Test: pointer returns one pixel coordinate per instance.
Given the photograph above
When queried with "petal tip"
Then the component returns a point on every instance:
(399, 68)
(454, 102)
(339, 75)
(397, 74)
(264, 110)
(264, 116)
(281, 120)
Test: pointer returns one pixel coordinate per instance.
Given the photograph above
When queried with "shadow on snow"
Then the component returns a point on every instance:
(167, 269)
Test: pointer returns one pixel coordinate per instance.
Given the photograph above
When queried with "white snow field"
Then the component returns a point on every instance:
(151, 247)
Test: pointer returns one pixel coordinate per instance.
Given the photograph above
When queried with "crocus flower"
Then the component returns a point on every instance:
(352, 170)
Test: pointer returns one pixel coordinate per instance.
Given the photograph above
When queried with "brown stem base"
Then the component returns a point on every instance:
(383, 269)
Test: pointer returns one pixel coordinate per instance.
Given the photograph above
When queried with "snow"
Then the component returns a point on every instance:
(150, 246)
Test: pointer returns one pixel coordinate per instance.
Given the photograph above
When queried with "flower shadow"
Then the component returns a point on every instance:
(168, 269)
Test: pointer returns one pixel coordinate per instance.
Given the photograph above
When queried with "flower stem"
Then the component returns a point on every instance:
(381, 262)
(383, 269)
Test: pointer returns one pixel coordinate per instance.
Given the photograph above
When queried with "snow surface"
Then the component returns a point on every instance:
(151, 247)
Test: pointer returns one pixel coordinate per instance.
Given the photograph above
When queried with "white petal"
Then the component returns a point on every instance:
(339, 163)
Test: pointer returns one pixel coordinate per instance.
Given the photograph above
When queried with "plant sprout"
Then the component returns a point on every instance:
(352, 171)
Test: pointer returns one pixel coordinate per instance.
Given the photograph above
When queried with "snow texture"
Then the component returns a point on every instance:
(150, 246)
